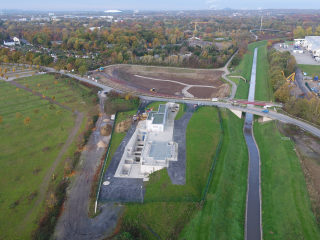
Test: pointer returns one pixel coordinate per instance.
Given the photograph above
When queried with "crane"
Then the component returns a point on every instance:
(195, 26)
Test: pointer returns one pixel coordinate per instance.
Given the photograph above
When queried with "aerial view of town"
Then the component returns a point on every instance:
(179, 120)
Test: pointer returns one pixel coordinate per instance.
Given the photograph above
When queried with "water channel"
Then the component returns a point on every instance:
(253, 211)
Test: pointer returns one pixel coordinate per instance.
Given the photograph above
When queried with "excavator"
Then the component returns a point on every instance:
(291, 77)
(152, 90)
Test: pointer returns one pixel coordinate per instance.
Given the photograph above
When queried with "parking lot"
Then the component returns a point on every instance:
(301, 58)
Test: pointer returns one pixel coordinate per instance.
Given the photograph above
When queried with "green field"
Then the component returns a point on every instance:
(286, 208)
(264, 91)
(245, 67)
(168, 218)
(66, 91)
(310, 69)
(24, 160)
(28, 151)
(223, 213)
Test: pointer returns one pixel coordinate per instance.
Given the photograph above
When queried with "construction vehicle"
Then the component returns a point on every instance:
(144, 116)
(291, 77)
(135, 117)
(152, 90)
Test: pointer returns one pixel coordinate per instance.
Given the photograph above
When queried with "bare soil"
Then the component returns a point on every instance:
(123, 126)
(185, 76)
(308, 151)
(106, 130)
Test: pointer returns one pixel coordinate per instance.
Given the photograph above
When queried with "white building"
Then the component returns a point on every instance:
(151, 147)
(312, 43)
(11, 42)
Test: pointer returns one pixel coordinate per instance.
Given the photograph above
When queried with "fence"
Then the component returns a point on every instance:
(104, 163)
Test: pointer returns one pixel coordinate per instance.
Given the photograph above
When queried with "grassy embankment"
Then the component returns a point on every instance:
(27, 151)
(264, 91)
(310, 69)
(168, 218)
(244, 70)
(223, 213)
(286, 209)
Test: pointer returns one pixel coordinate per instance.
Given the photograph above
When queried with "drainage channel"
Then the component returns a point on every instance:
(253, 210)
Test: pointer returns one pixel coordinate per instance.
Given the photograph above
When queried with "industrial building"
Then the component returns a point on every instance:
(311, 43)
(151, 147)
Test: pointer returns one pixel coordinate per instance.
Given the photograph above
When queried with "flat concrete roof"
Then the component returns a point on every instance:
(160, 150)
(158, 118)
(162, 108)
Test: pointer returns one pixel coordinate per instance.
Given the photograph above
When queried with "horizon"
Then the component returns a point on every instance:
(165, 5)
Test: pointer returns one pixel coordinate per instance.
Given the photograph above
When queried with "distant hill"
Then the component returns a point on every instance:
(227, 9)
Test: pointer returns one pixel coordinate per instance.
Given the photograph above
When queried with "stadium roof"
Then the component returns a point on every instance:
(113, 11)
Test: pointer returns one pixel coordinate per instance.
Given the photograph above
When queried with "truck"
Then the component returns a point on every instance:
(316, 78)
(234, 103)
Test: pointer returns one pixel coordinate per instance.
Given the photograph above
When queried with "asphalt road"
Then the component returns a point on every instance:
(298, 80)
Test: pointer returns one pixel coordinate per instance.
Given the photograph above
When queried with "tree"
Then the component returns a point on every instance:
(17, 89)
(26, 121)
(36, 111)
(82, 70)
(44, 118)
(46, 88)
(53, 98)
(120, 57)
(18, 115)
(284, 92)
(59, 112)
(52, 107)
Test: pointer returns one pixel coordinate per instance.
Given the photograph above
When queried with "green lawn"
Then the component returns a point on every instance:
(264, 91)
(201, 144)
(245, 68)
(286, 209)
(66, 91)
(167, 219)
(117, 137)
(181, 111)
(24, 161)
(223, 213)
(310, 69)
(27, 151)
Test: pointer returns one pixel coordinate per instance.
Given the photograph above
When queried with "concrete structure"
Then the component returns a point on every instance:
(298, 41)
(312, 43)
(151, 147)
(12, 41)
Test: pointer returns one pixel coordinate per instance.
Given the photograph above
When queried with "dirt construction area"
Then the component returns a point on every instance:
(172, 81)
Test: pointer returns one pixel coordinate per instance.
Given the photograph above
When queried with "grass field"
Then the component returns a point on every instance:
(286, 209)
(167, 219)
(27, 151)
(66, 91)
(245, 67)
(310, 69)
(201, 147)
(24, 160)
(223, 213)
(264, 91)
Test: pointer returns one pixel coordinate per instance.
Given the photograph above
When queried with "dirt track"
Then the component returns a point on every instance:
(74, 222)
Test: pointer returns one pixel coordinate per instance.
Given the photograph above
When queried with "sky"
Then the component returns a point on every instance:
(99, 5)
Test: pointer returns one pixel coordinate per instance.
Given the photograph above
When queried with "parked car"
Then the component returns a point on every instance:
(265, 111)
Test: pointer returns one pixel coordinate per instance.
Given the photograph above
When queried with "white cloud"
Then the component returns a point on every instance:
(213, 6)
(211, 1)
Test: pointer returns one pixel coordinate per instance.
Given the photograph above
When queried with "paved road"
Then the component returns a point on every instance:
(298, 80)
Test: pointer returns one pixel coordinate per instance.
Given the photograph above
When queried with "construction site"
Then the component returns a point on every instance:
(201, 84)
